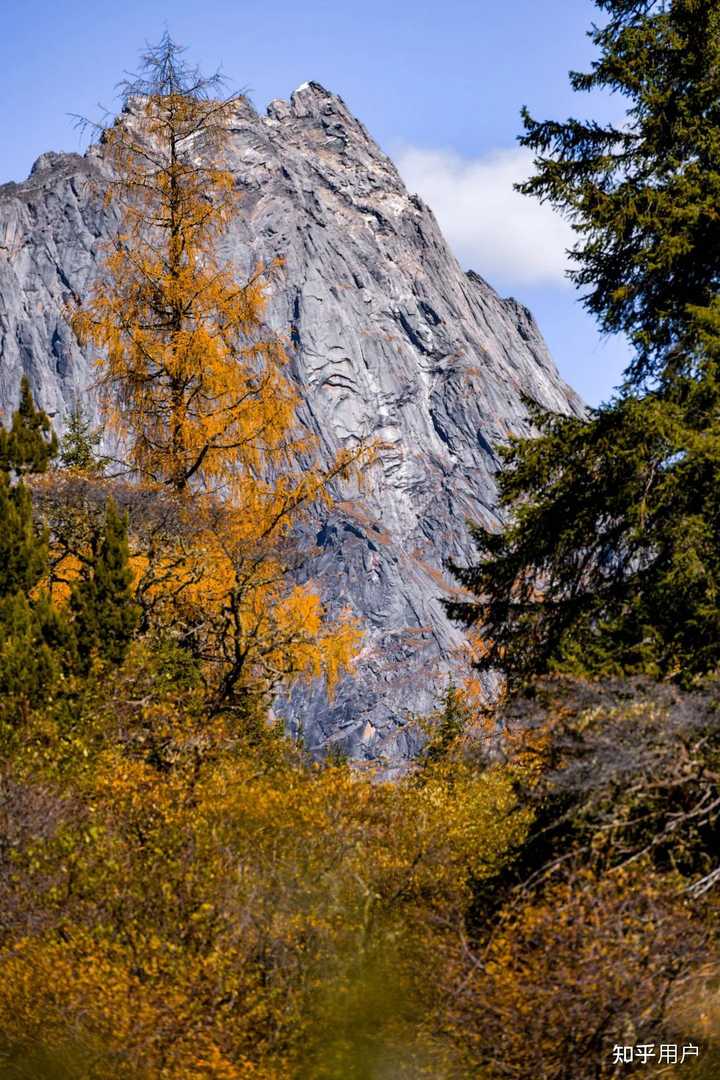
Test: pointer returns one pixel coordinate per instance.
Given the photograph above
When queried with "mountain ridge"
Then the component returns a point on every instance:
(390, 340)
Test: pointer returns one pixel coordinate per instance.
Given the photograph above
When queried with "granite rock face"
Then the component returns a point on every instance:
(390, 340)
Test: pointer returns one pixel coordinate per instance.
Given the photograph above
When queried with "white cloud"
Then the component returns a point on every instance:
(508, 238)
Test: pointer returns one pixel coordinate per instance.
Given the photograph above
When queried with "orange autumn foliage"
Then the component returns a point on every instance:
(189, 374)
(185, 896)
(185, 902)
(193, 387)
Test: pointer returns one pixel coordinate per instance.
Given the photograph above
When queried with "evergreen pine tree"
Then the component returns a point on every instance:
(643, 195)
(80, 444)
(36, 651)
(30, 444)
(33, 634)
(23, 548)
(105, 615)
(610, 561)
(448, 724)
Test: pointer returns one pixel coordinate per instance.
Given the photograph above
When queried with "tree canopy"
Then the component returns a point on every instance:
(643, 195)
(611, 556)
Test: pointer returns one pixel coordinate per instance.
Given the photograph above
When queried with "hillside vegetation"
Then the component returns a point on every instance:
(184, 891)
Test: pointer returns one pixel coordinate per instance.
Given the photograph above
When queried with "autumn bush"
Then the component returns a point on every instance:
(181, 899)
(186, 896)
(601, 927)
(184, 892)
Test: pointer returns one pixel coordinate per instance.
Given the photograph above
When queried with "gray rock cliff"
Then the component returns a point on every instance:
(391, 340)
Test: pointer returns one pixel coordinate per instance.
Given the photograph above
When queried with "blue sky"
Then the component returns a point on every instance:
(439, 85)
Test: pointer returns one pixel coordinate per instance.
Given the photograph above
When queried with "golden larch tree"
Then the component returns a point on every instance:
(192, 382)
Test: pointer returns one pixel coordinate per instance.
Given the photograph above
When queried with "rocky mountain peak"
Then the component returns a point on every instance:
(390, 339)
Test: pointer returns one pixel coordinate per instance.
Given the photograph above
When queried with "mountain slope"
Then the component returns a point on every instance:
(390, 339)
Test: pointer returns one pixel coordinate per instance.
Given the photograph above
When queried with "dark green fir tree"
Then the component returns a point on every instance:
(30, 444)
(34, 637)
(610, 561)
(446, 726)
(643, 195)
(79, 448)
(23, 547)
(105, 615)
